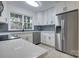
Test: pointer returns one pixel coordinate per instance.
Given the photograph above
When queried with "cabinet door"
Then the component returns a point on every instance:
(15, 22)
(26, 36)
(45, 15)
(71, 5)
(39, 18)
(48, 39)
(35, 19)
(43, 38)
(52, 39)
(58, 21)
(60, 7)
(53, 14)
(30, 39)
(22, 36)
(48, 16)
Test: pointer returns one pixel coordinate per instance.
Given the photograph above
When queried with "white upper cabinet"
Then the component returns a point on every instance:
(35, 20)
(50, 16)
(71, 5)
(46, 17)
(3, 20)
(60, 7)
(39, 18)
(49, 19)
(15, 21)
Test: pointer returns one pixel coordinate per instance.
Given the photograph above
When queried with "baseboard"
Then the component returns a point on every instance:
(67, 53)
(48, 45)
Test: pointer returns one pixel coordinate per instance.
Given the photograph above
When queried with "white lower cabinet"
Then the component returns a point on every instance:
(26, 36)
(30, 39)
(43, 38)
(48, 38)
(52, 39)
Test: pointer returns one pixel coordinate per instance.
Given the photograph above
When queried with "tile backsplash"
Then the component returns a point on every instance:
(44, 28)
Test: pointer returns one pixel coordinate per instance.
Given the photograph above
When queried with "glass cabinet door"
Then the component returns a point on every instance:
(27, 22)
(15, 21)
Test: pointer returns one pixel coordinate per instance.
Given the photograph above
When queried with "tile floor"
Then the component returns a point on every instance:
(52, 53)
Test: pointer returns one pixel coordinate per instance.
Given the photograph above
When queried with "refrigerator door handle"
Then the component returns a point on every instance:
(62, 29)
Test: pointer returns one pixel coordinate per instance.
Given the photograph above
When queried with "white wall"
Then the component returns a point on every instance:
(10, 8)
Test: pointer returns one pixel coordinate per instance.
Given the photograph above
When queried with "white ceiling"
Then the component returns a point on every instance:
(44, 5)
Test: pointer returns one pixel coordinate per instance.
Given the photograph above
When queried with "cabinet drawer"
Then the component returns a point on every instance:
(43, 38)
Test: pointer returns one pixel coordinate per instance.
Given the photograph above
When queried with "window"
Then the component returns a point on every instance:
(27, 22)
(16, 21)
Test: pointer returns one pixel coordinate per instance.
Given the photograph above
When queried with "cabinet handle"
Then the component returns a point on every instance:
(49, 38)
(26, 38)
(65, 8)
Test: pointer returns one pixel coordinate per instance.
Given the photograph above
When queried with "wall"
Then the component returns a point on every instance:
(10, 8)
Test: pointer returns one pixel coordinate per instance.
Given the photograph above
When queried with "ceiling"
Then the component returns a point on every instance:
(44, 5)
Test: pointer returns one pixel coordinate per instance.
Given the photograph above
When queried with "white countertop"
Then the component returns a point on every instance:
(19, 48)
(5, 33)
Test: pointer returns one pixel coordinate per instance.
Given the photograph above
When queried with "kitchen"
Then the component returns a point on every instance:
(36, 27)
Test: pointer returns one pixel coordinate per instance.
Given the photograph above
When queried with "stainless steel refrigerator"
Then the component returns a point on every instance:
(67, 33)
